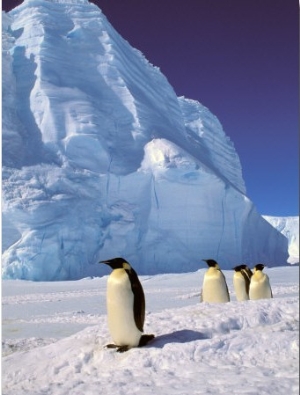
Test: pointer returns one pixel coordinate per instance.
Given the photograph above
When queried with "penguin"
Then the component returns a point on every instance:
(241, 282)
(260, 284)
(125, 306)
(214, 289)
(245, 269)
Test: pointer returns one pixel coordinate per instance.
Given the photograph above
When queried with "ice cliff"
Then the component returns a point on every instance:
(102, 159)
(289, 227)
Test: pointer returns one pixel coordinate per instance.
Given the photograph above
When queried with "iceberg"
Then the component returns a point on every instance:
(102, 159)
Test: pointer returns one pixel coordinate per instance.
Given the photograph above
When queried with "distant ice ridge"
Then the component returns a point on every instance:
(59, 1)
(289, 227)
(102, 159)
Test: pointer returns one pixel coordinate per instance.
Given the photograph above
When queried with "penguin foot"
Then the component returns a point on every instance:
(145, 340)
(111, 346)
(119, 348)
(122, 348)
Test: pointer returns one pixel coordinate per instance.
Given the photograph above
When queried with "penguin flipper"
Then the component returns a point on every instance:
(227, 290)
(111, 345)
(247, 280)
(139, 300)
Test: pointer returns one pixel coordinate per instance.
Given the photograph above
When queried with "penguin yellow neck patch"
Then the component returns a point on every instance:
(126, 266)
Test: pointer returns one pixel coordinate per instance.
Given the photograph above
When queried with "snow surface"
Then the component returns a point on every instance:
(54, 337)
(102, 159)
(289, 227)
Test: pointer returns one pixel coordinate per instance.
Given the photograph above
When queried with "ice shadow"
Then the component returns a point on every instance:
(182, 336)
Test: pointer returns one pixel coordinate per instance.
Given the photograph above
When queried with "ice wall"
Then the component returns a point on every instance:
(289, 227)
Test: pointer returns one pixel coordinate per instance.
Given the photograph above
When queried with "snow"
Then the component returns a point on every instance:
(289, 227)
(54, 336)
(102, 159)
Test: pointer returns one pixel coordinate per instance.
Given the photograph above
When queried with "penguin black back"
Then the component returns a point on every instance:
(139, 299)
(245, 272)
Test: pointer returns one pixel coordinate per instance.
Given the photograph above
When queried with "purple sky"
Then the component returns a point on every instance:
(240, 59)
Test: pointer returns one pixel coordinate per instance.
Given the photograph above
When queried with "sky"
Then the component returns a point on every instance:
(241, 60)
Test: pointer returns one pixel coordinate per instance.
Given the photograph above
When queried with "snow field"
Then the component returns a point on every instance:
(237, 347)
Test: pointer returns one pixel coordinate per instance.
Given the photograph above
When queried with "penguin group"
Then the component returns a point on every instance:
(248, 284)
(125, 297)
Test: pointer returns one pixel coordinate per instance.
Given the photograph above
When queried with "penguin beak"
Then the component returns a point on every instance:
(106, 262)
(114, 263)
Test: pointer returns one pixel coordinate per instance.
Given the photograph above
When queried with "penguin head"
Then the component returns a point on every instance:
(244, 267)
(238, 268)
(117, 263)
(211, 263)
(259, 266)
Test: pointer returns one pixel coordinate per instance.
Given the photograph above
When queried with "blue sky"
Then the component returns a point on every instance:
(241, 60)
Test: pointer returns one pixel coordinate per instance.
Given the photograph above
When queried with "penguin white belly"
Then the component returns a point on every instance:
(214, 289)
(260, 288)
(240, 288)
(121, 321)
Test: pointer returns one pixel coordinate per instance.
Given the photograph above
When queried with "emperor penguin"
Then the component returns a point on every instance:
(260, 287)
(125, 306)
(241, 282)
(214, 289)
(245, 269)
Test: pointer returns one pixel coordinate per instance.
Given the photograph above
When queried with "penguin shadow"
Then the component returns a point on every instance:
(182, 336)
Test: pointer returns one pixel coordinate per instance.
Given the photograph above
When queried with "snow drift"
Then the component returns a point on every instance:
(102, 159)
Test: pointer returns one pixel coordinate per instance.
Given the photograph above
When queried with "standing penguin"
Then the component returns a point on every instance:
(125, 306)
(241, 282)
(247, 271)
(260, 284)
(214, 289)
